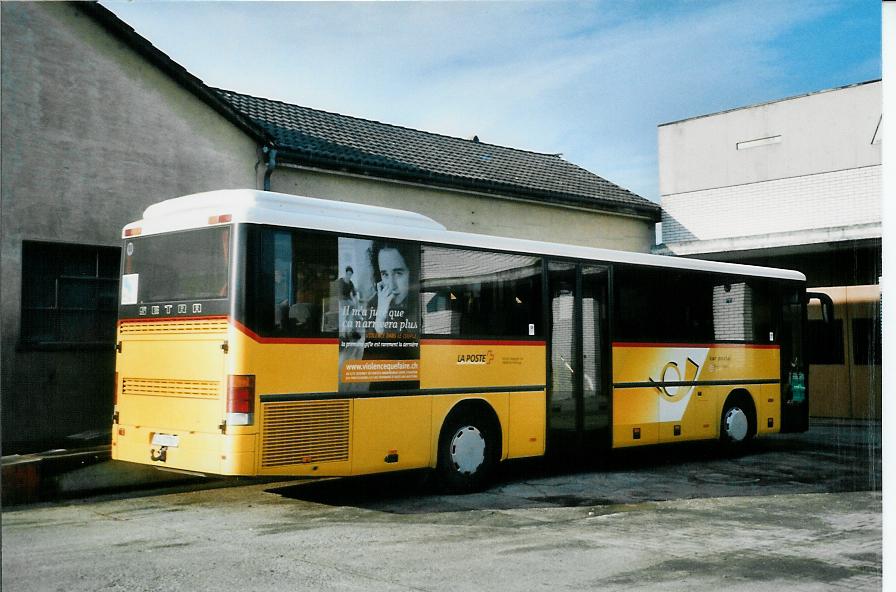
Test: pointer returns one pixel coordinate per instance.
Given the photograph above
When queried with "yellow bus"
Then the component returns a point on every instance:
(264, 334)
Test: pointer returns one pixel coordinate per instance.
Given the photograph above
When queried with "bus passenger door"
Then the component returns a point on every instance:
(578, 397)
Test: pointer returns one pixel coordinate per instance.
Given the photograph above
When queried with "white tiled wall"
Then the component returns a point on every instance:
(824, 200)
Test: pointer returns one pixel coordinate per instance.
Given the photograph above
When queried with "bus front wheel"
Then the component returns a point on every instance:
(467, 452)
(738, 421)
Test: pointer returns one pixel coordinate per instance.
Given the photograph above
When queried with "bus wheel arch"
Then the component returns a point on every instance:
(469, 447)
(738, 418)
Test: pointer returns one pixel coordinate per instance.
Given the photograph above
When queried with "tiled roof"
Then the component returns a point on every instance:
(330, 140)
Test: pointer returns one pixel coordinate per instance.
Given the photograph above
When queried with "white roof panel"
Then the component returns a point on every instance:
(261, 207)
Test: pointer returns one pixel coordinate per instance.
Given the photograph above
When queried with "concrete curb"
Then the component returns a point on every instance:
(58, 474)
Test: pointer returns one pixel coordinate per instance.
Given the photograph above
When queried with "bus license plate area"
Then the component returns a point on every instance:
(166, 440)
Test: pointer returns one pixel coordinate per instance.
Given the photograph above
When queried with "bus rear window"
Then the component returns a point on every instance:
(190, 265)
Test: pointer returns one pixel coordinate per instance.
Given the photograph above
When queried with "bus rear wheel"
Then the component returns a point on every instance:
(467, 452)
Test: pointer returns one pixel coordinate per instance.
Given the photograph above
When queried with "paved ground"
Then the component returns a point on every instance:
(791, 513)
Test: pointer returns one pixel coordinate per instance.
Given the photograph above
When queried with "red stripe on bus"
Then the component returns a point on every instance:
(157, 319)
(289, 340)
(707, 345)
(476, 342)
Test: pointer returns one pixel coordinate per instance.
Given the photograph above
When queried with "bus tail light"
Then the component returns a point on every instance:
(241, 399)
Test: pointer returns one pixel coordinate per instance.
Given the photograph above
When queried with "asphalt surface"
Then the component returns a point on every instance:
(796, 512)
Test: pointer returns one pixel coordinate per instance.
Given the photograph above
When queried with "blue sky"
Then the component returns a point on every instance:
(589, 80)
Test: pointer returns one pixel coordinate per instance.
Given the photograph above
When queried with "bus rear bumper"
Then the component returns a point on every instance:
(215, 453)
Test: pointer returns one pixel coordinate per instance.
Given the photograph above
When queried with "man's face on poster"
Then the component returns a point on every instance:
(394, 273)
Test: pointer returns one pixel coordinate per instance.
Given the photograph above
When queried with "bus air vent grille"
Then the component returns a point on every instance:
(170, 388)
(174, 327)
(305, 432)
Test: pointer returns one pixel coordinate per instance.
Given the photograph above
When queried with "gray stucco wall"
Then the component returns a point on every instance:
(470, 212)
(92, 133)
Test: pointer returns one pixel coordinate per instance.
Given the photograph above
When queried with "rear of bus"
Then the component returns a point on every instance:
(176, 404)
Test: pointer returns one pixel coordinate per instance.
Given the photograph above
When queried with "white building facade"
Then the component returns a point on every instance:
(792, 183)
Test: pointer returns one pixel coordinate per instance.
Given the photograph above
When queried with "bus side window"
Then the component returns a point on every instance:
(282, 278)
(292, 281)
(480, 293)
(732, 311)
(314, 276)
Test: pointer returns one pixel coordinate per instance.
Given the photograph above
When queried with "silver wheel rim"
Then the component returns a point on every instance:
(736, 424)
(467, 450)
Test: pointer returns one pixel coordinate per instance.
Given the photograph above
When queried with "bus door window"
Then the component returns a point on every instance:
(792, 348)
(563, 342)
(564, 350)
(595, 395)
(764, 313)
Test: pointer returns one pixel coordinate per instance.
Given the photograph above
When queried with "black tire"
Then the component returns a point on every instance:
(468, 452)
(738, 422)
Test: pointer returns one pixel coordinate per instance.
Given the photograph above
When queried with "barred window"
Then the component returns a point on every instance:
(69, 294)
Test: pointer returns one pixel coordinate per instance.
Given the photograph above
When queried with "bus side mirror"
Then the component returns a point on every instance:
(827, 305)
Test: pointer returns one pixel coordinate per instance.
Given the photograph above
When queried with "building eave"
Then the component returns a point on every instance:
(783, 242)
(443, 181)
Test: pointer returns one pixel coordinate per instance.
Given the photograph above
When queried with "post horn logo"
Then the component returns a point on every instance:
(671, 382)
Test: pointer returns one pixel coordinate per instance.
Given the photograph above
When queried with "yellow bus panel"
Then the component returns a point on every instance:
(719, 362)
(769, 409)
(181, 414)
(449, 364)
(287, 366)
(635, 417)
(666, 393)
(392, 433)
(526, 424)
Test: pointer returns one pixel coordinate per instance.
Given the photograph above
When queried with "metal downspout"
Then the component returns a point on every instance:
(269, 166)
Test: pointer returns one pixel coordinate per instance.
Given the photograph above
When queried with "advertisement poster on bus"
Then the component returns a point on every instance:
(379, 320)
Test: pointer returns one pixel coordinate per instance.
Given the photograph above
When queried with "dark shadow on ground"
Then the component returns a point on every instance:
(783, 464)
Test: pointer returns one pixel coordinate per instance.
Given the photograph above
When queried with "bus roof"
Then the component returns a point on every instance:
(264, 207)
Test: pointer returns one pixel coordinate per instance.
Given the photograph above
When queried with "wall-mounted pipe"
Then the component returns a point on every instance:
(270, 165)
